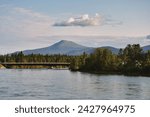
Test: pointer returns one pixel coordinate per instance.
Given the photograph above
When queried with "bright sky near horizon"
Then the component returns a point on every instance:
(28, 24)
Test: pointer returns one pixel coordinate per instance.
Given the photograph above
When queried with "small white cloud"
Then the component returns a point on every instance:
(84, 20)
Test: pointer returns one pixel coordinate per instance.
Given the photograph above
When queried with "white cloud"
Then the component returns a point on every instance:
(84, 20)
(22, 28)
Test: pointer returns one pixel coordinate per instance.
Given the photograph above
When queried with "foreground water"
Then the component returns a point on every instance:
(64, 84)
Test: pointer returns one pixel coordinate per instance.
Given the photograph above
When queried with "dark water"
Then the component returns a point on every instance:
(64, 84)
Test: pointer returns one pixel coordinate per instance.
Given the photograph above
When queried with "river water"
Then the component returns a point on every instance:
(64, 84)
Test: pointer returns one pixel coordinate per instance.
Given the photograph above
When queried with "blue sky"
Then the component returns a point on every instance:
(27, 24)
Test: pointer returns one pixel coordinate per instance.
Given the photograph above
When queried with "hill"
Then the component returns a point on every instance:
(114, 50)
(146, 48)
(62, 47)
(71, 48)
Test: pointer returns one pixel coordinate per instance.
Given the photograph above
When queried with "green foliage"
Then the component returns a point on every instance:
(78, 62)
(20, 57)
(131, 60)
(101, 60)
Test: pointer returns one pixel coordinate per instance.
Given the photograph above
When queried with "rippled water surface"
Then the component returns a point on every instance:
(64, 84)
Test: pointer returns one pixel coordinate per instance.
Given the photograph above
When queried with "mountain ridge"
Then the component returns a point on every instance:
(61, 47)
(65, 47)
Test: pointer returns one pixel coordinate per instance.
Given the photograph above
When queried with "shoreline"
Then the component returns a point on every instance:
(83, 71)
(112, 73)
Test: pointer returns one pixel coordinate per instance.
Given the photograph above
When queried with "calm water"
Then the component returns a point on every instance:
(64, 84)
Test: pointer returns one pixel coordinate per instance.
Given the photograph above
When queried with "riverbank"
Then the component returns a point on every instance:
(114, 73)
(84, 71)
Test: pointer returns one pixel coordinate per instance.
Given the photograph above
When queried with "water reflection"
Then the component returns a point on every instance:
(64, 84)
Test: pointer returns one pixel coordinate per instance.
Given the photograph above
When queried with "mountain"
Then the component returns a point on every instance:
(146, 48)
(71, 48)
(62, 47)
(114, 50)
(67, 48)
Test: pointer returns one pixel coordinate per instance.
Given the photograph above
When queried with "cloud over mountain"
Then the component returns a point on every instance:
(84, 20)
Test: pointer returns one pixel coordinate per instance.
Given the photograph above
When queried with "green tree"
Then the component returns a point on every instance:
(131, 58)
(101, 60)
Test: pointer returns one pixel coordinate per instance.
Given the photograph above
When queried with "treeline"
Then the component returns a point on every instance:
(20, 57)
(131, 60)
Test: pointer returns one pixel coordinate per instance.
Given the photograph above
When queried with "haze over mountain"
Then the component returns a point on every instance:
(71, 48)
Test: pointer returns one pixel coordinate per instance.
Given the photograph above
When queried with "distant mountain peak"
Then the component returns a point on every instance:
(65, 47)
(61, 47)
(64, 41)
(69, 44)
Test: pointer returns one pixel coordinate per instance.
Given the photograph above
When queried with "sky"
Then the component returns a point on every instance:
(29, 24)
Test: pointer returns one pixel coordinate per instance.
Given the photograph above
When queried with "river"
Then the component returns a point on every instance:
(51, 84)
